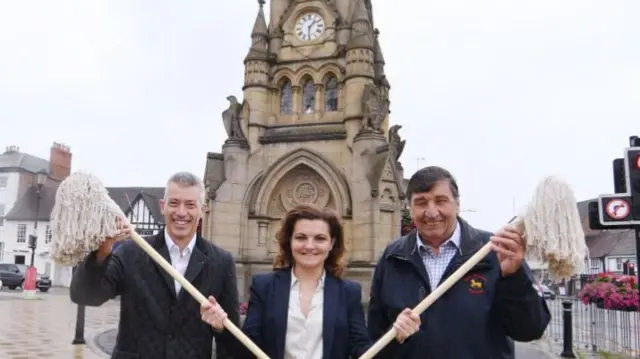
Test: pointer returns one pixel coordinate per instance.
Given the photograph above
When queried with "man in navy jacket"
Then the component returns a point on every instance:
(480, 316)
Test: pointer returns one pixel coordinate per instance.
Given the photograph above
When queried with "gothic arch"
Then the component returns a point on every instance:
(327, 70)
(303, 72)
(269, 180)
(282, 75)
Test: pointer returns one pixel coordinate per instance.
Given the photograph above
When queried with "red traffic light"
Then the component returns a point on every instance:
(638, 161)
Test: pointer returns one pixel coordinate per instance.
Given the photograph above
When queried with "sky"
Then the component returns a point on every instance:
(501, 93)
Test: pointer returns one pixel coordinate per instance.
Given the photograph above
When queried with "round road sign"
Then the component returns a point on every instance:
(617, 208)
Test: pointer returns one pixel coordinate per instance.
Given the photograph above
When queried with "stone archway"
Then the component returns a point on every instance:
(300, 177)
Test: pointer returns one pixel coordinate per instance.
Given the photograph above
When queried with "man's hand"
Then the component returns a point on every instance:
(107, 246)
(213, 314)
(407, 324)
(510, 248)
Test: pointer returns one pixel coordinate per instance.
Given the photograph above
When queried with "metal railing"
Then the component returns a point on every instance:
(596, 329)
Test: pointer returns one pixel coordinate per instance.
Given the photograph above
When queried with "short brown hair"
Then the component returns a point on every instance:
(335, 263)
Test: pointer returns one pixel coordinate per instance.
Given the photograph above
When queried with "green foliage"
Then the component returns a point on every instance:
(407, 224)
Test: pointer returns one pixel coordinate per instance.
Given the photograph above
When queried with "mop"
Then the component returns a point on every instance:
(84, 215)
(553, 233)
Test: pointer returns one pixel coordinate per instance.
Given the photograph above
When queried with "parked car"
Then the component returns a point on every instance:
(43, 282)
(11, 276)
(545, 292)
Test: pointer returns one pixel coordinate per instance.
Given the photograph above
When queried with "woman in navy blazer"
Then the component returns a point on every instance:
(304, 309)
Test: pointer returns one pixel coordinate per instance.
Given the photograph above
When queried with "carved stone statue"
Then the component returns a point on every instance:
(396, 142)
(232, 118)
(375, 107)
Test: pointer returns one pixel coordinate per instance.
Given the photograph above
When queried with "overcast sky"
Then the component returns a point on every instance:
(501, 93)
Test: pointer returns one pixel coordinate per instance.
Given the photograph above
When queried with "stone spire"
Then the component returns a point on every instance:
(362, 32)
(378, 61)
(259, 37)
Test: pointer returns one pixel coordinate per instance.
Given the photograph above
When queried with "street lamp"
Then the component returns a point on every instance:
(30, 280)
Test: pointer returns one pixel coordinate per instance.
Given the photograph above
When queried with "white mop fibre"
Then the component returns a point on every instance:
(82, 217)
(553, 229)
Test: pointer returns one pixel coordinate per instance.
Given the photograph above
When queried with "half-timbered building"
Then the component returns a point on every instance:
(141, 205)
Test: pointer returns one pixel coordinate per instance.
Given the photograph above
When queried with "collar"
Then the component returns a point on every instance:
(294, 279)
(454, 239)
(171, 244)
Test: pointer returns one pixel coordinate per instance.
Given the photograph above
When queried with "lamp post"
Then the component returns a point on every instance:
(30, 278)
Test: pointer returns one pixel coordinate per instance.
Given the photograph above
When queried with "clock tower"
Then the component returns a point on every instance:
(312, 128)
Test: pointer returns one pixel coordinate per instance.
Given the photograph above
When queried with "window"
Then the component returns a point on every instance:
(1, 251)
(286, 98)
(331, 95)
(48, 234)
(4, 182)
(19, 260)
(21, 236)
(620, 262)
(308, 96)
(145, 232)
(2, 209)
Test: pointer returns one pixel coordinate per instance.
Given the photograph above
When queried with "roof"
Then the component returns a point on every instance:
(25, 207)
(17, 161)
(125, 197)
(583, 207)
(612, 243)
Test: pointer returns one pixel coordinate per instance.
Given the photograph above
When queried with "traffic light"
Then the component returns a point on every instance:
(633, 171)
(619, 176)
(33, 241)
(622, 209)
(594, 217)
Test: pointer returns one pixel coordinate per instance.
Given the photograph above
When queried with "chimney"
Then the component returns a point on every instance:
(12, 149)
(59, 161)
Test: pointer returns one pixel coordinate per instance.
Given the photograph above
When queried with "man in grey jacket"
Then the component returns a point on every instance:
(158, 319)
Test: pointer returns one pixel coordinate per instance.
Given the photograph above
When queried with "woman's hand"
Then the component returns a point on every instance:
(407, 324)
(213, 314)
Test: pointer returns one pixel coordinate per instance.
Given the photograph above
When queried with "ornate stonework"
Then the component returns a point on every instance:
(336, 152)
(302, 185)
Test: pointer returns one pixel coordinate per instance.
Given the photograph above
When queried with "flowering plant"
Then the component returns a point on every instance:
(407, 224)
(612, 291)
(243, 308)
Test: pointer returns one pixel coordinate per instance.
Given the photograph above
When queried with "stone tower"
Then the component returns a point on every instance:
(312, 128)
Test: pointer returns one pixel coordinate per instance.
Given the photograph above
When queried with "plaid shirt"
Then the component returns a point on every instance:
(436, 264)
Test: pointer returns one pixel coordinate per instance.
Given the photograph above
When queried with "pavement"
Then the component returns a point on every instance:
(45, 327)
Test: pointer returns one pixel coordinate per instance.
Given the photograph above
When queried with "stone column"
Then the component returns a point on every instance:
(297, 102)
(263, 238)
(226, 208)
(319, 105)
(370, 152)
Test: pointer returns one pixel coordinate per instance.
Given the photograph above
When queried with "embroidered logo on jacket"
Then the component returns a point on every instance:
(476, 283)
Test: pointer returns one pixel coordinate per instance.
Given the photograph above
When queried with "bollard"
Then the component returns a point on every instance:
(80, 314)
(79, 337)
(567, 331)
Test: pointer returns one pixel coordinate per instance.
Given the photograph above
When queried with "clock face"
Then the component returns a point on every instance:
(310, 26)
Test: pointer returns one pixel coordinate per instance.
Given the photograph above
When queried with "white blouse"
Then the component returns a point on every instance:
(304, 334)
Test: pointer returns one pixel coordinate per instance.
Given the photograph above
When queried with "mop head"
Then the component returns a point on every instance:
(553, 229)
(82, 217)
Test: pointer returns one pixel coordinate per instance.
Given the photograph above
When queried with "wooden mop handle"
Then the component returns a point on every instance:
(436, 294)
(196, 293)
